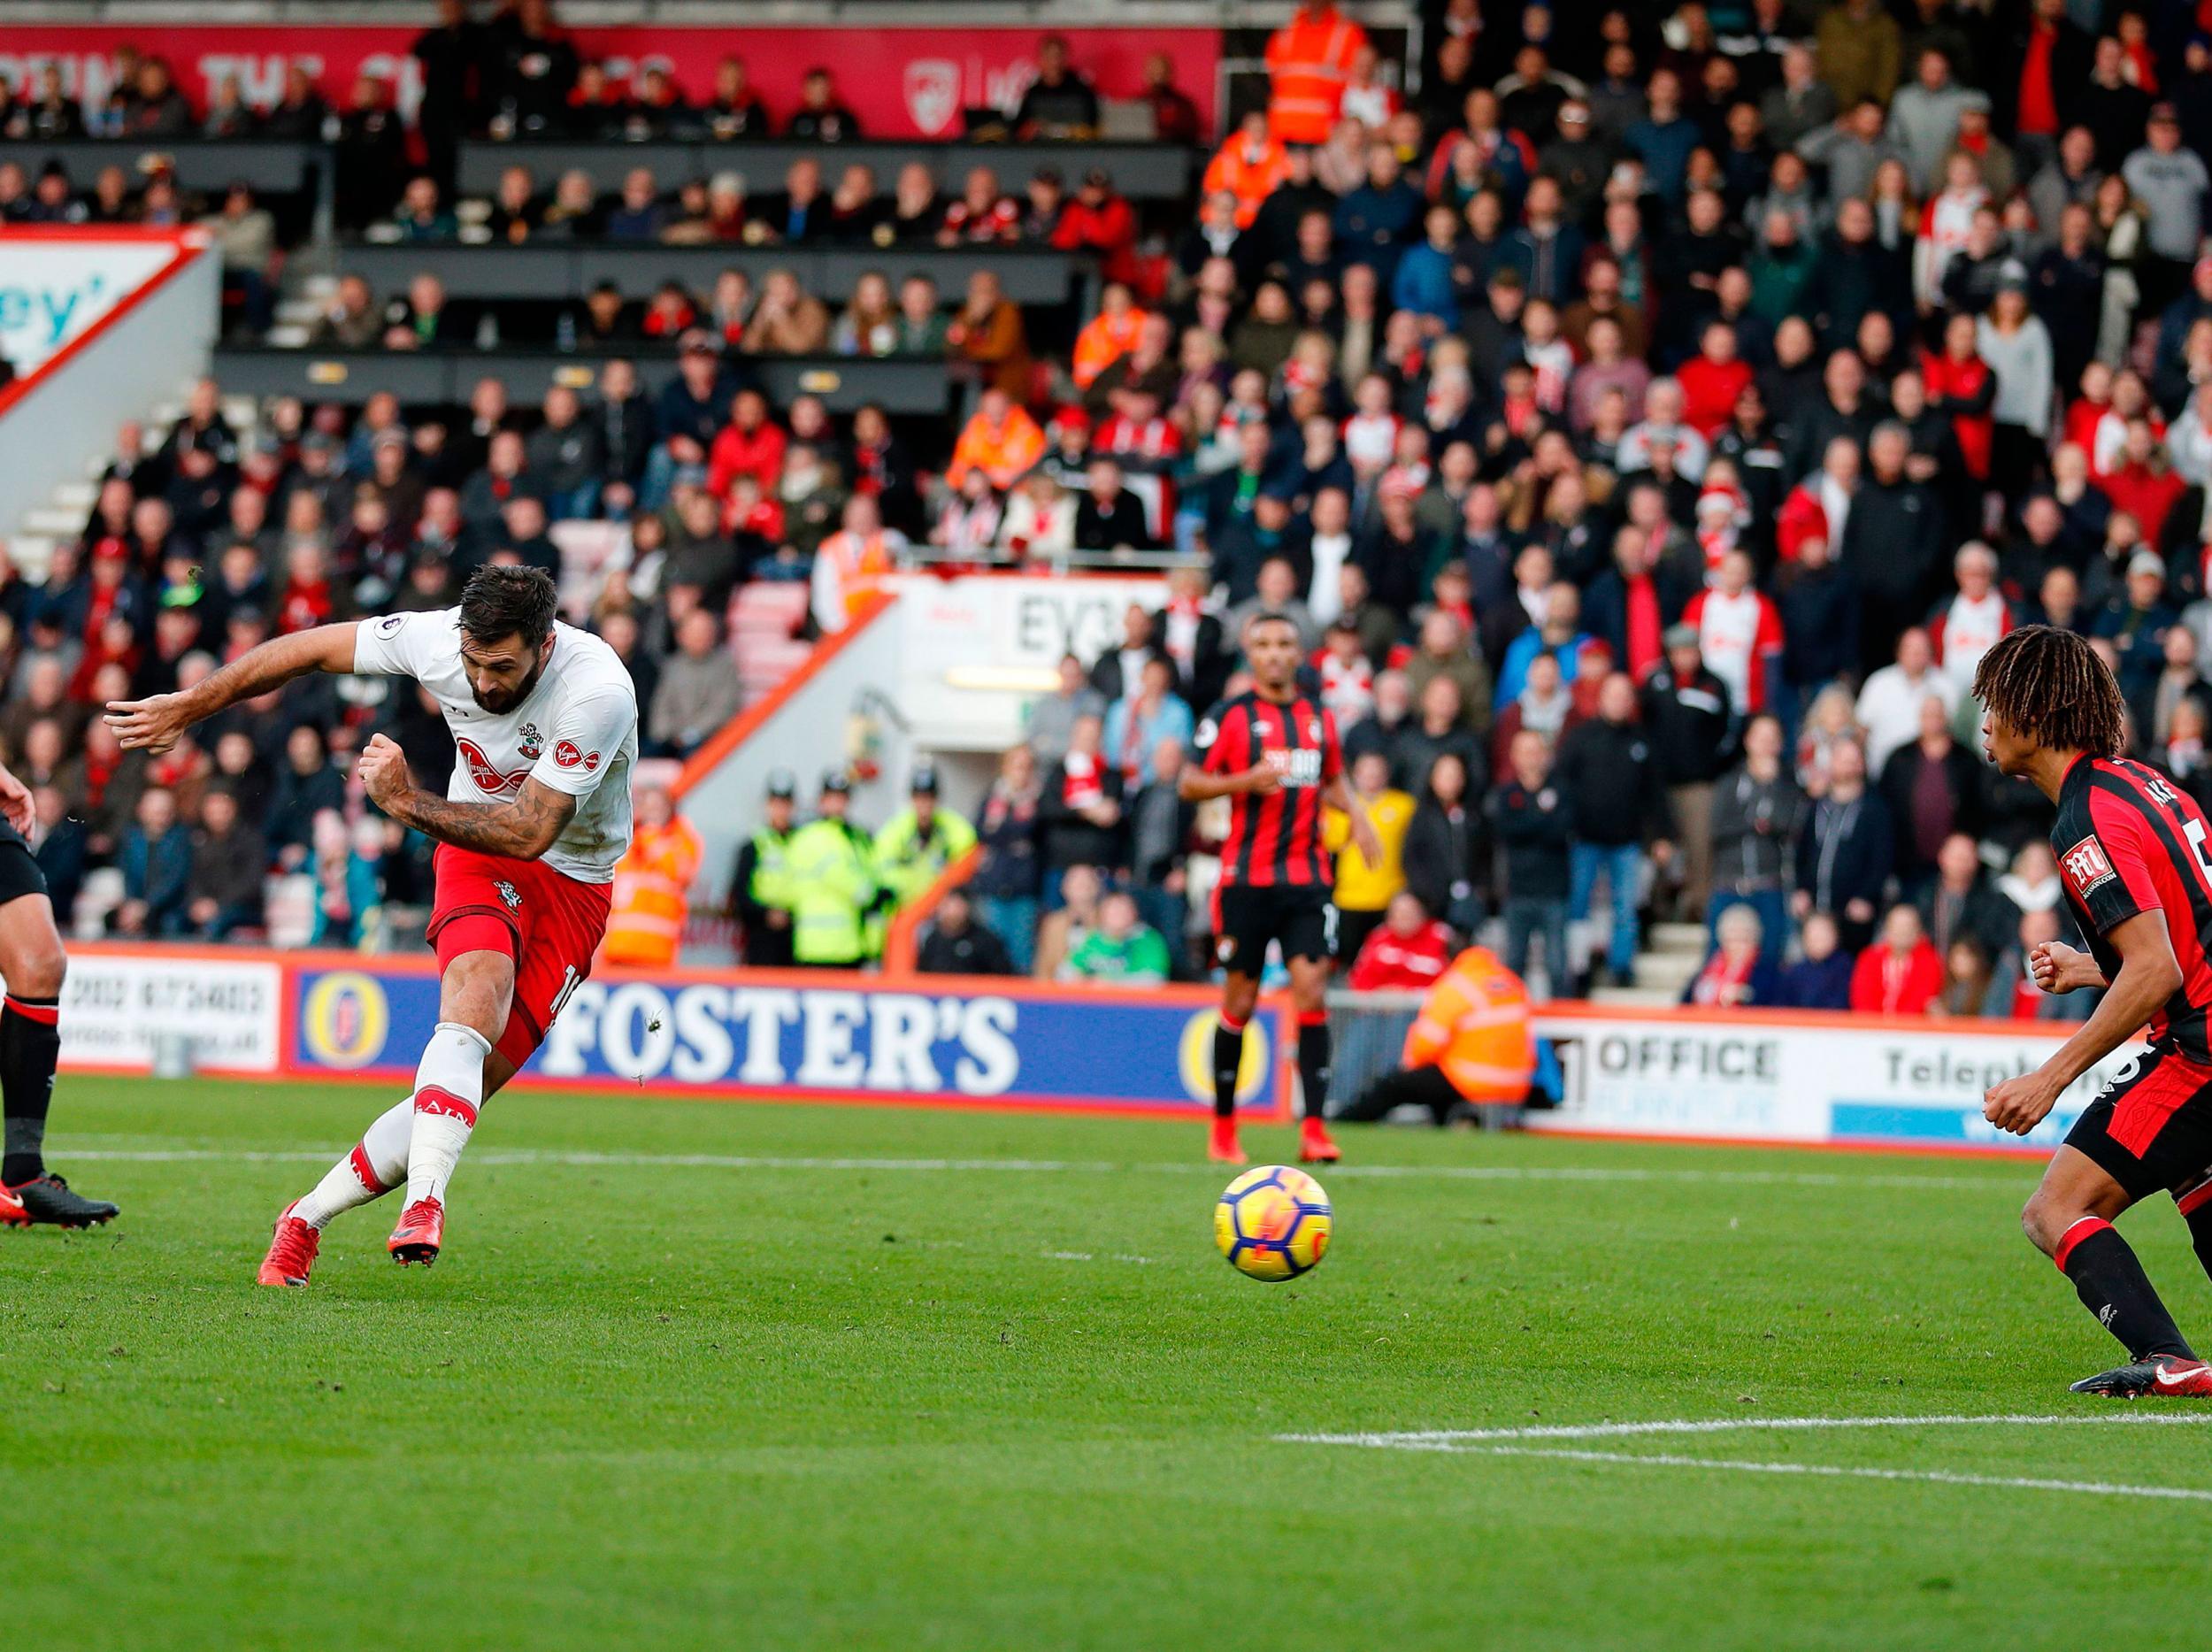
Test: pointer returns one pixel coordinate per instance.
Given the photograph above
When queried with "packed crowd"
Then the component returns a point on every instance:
(1648, 427)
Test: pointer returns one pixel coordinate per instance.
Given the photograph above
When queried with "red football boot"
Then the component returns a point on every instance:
(2160, 1376)
(11, 1211)
(1313, 1145)
(292, 1248)
(1223, 1148)
(420, 1232)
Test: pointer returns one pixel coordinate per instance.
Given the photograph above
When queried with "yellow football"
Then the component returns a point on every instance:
(1272, 1223)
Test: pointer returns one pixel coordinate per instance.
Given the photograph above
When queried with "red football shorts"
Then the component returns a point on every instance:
(556, 923)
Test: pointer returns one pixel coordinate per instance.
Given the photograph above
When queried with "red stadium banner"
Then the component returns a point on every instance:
(903, 82)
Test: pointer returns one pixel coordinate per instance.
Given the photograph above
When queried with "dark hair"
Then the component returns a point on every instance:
(501, 602)
(2049, 686)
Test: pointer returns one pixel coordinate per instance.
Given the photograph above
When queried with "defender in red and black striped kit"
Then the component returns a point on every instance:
(1273, 753)
(2134, 856)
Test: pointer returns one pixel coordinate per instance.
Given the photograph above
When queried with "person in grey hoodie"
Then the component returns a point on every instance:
(2170, 181)
(1924, 118)
(1756, 809)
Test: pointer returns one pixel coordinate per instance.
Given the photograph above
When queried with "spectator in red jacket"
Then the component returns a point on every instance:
(1899, 974)
(1100, 222)
(1407, 954)
(751, 444)
(1712, 380)
(1960, 384)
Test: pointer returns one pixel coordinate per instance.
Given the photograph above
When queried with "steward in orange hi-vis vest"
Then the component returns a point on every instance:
(652, 886)
(1308, 61)
(1471, 1042)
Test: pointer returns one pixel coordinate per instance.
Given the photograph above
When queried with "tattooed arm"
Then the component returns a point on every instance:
(521, 830)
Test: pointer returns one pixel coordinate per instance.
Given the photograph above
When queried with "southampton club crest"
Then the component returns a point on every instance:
(532, 742)
(509, 893)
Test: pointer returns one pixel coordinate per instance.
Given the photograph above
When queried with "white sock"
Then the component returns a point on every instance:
(376, 1165)
(448, 1089)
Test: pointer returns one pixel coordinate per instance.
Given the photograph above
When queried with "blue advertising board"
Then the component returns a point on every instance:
(808, 1036)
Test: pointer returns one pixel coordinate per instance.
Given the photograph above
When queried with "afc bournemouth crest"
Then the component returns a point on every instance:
(532, 742)
(509, 893)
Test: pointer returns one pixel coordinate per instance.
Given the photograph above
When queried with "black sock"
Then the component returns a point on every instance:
(2113, 1287)
(1228, 1059)
(30, 1042)
(1313, 1067)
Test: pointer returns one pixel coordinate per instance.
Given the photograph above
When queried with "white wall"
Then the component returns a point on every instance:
(59, 427)
(806, 736)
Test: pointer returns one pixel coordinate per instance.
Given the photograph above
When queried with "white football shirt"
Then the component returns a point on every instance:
(577, 732)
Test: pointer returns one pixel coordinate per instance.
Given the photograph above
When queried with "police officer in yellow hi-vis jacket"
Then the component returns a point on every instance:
(829, 883)
(918, 842)
(757, 886)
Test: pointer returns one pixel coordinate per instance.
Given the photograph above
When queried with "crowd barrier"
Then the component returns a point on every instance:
(1712, 1076)
(551, 270)
(445, 377)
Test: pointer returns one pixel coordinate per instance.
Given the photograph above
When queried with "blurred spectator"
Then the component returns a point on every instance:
(1821, 978)
(1008, 878)
(958, 944)
(1845, 849)
(1119, 950)
(699, 690)
(1529, 819)
(1364, 893)
(1899, 974)
(229, 861)
(1080, 810)
(1615, 807)
(1442, 842)
(157, 861)
(1933, 788)
(1755, 812)
(1737, 973)
(652, 884)
(1405, 952)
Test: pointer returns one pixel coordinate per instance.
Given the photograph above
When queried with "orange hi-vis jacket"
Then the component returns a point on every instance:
(645, 923)
(1249, 174)
(858, 566)
(1308, 60)
(1004, 455)
(1104, 340)
(1474, 1024)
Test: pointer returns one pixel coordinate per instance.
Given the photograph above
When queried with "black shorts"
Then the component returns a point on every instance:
(2150, 1129)
(19, 872)
(1247, 916)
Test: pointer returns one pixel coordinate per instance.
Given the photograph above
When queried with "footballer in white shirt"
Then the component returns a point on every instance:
(544, 721)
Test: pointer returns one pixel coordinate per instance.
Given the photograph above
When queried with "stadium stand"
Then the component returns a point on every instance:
(1648, 423)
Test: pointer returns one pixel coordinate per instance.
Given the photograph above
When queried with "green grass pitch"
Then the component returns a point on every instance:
(693, 1374)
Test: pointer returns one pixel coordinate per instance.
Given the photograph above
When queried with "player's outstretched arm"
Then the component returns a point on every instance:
(2149, 975)
(154, 724)
(522, 829)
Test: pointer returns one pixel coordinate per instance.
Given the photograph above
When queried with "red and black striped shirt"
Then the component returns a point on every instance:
(1275, 839)
(2128, 840)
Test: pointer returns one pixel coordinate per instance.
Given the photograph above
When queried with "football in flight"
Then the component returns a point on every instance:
(1272, 1223)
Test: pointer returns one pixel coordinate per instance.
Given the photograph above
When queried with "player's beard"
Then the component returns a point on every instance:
(509, 701)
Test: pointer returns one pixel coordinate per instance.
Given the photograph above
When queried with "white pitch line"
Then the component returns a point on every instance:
(1829, 1471)
(1033, 1166)
(1447, 1439)
(1476, 1442)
